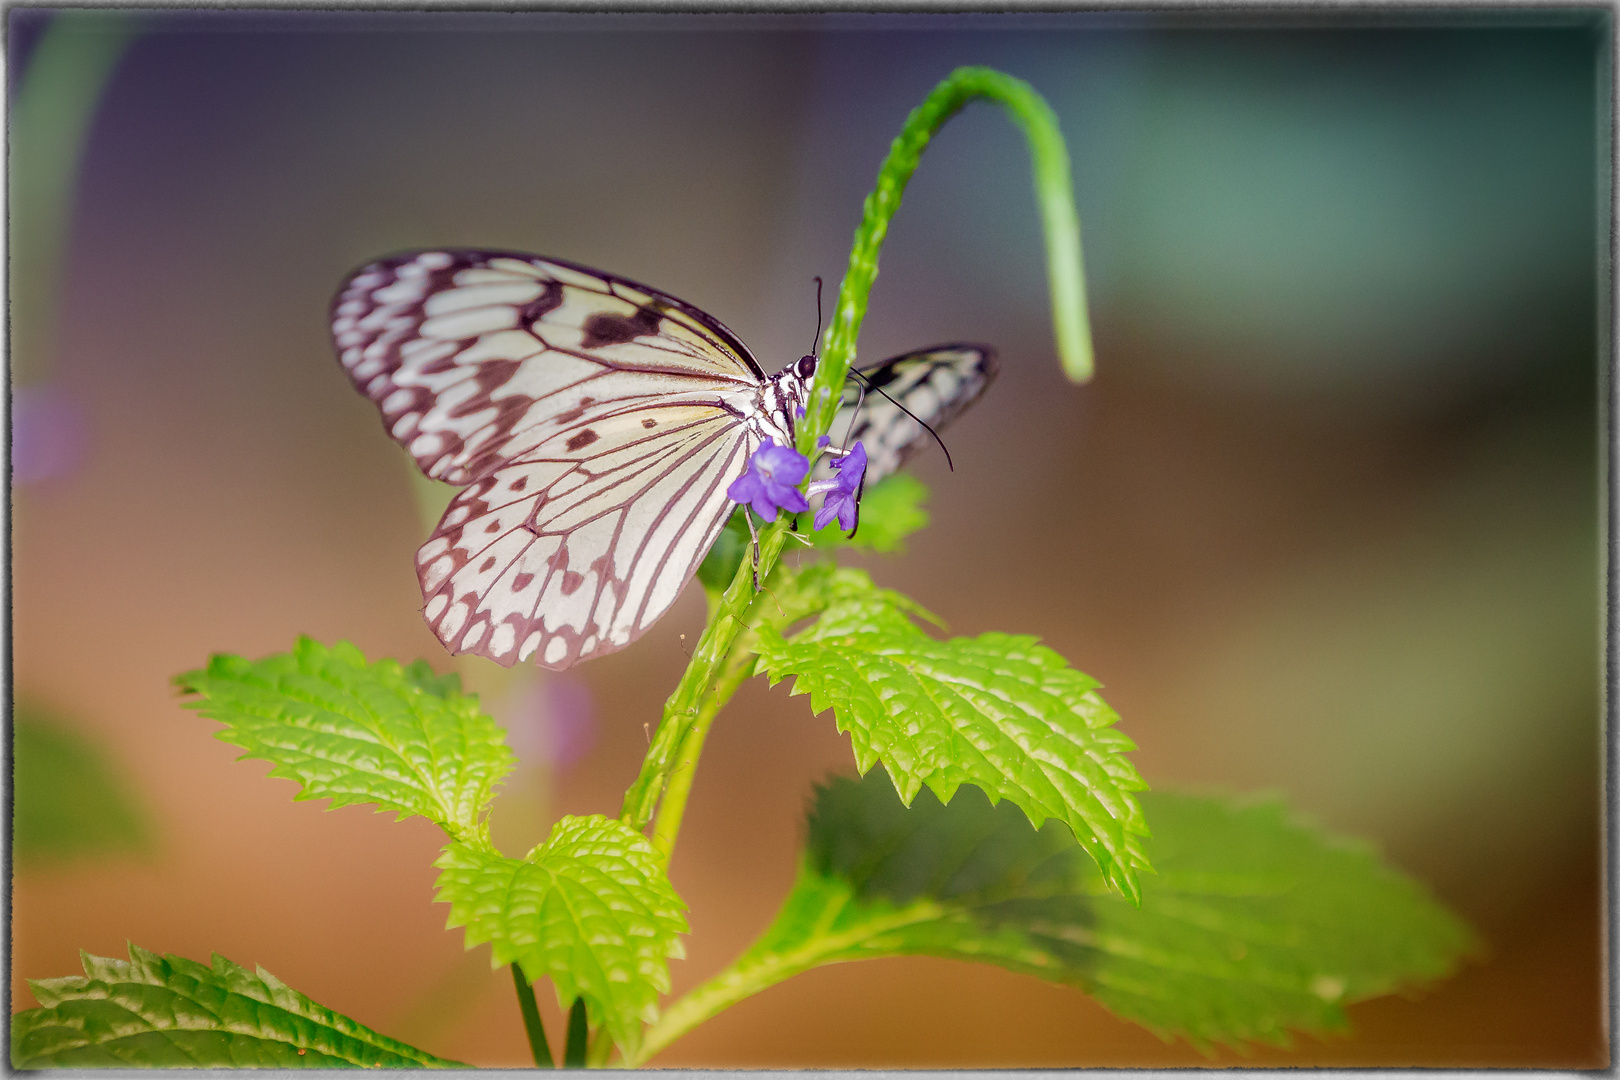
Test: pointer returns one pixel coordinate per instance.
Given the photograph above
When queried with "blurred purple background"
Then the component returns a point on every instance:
(1326, 523)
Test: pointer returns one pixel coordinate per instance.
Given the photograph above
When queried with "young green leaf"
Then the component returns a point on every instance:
(590, 907)
(999, 711)
(169, 1012)
(891, 510)
(353, 732)
(70, 801)
(1254, 923)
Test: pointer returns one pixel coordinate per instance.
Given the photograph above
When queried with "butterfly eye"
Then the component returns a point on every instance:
(807, 366)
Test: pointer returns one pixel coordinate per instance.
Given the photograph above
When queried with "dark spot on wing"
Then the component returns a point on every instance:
(649, 423)
(571, 581)
(493, 527)
(490, 377)
(576, 412)
(606, 328)
(582, 440)
(886, 376)
(543, 304)
(487, 563)
(520, 483)
(521, 582)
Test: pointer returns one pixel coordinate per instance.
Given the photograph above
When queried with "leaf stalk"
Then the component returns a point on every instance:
(578, 1036)
(761, 968)
(531, 1019)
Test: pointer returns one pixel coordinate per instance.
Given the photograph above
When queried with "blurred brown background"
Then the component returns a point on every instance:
(1327, 522)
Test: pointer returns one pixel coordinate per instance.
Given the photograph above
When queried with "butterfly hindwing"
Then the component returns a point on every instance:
(569, 559)
(935, 384)
(595, 421)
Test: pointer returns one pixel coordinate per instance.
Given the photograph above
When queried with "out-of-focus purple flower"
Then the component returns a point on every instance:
(772, 481)
(841, 492)
(48, 432)
(551, 721)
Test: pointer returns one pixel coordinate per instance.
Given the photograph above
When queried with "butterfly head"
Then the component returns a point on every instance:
(806, 367)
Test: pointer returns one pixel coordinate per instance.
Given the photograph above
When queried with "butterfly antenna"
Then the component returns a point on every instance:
(815, 345)
(862, 376)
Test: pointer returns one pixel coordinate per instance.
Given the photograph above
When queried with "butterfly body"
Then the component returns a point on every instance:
(593, 423)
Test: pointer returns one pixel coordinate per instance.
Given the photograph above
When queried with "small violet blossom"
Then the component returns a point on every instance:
(772, 481)
(841, 492)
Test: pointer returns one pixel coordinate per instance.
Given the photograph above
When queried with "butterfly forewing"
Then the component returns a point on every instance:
(463, 349)
(935, 384)
(595, 420)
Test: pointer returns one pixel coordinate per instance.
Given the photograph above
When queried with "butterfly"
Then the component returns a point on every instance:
(594, 425)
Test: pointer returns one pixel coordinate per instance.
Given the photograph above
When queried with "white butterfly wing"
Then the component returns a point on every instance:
(935, 384)
(596, 421)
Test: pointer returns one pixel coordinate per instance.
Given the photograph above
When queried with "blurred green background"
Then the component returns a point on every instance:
(1328, 522)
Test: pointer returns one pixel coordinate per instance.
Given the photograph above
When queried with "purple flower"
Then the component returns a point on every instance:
(843, 491)
(772, 481)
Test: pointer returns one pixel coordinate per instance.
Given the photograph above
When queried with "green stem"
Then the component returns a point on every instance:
(760, 968)
(1060, 223)
(601, 1049)
(531, 1020)
(739, 665)
(708, 661)
(719, 661)
(1054, 192)
(578, 1036)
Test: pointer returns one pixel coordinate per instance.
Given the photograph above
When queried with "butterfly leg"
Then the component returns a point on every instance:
(749, 518)
(859, 401)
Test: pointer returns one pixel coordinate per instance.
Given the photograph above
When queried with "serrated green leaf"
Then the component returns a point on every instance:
(70, 801)
(998, 711)
(590, 907)
(891, 510)
(358, 732)
(1253, 925)
(797, 594)
(169, 1012)
(420, 673)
